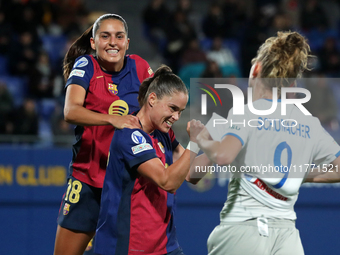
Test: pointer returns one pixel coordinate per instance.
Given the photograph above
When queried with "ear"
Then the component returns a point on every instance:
(257, 69)
(128, 43)
(152, 99)
(93, 46)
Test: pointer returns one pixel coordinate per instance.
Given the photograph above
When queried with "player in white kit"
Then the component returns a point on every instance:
(258, 216)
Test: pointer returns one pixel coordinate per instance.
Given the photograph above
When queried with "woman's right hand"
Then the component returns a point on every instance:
(127, 121)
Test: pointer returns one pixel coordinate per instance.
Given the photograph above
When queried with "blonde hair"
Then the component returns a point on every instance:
(285, 57)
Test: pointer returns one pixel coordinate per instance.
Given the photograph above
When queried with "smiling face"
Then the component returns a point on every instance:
(111, 44)
(167, 110)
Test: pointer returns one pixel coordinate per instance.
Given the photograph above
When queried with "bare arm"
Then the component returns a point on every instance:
(333, 174)
(171, 178)
(199, 161)
(76, 113)
(221, 153)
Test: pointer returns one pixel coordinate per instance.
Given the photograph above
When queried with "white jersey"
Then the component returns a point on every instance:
(277, 154)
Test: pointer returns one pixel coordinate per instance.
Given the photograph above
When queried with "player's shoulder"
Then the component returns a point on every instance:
(139, 60)
(134, 135)
(136, 57)
(83, 61)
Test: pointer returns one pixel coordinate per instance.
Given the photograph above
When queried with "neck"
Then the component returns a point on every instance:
(109, 67)
(260, 91)
(145, 120)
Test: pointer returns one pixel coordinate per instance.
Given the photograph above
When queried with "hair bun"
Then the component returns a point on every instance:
(163, 69)
(295, 39)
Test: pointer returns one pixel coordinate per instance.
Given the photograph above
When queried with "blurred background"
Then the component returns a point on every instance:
(196, 38)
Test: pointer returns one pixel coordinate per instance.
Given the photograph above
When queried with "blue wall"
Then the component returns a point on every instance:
(32, 182)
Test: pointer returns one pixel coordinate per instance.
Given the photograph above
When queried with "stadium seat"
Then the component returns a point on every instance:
(46, 108)
(54, 46)
(17, 87)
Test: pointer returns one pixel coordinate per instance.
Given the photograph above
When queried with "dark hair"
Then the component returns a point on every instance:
(82, 45)
(163, 83)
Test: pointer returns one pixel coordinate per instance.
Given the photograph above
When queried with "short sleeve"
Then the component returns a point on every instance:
(82, 72)
(174, 142)
(327, 149)
(234, 125)
(136, 146)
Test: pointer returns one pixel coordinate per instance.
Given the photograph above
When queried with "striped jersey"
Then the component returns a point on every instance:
(136, 216)
(109, 93)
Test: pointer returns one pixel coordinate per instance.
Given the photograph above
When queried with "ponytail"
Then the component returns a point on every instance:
(80, 47)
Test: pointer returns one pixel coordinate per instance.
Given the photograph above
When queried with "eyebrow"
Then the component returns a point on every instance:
(106, 32)
(176, 107)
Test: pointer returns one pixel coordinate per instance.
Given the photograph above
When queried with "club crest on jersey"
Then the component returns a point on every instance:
(66, 209)
(81, 62)
(160, 145)
(137, 137)
(113, 88)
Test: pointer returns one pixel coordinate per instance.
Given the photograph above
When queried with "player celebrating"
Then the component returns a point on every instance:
(101, 90)
(137, 206)
(258, 216)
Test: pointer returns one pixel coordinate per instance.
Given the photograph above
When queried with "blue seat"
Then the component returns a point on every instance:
(17, 87)
(191, 71)
(46, 108)
(54, 46)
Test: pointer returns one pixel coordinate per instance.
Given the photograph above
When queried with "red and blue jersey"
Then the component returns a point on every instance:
(106, 92)
(136, 216)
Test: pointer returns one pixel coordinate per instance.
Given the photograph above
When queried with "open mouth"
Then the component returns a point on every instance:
(168, 123)
(112, 52)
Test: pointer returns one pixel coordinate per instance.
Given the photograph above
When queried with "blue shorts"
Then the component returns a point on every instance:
(79, 209)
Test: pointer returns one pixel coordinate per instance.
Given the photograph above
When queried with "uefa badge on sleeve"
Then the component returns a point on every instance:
(66, 209)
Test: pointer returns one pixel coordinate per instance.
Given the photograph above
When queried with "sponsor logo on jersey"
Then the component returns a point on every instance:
(141, 147)
(113, 88)
(81, 62)
(150, 71)
(119, 107)
(160, 145)
(66, 209)
(137, 137)
(77, 72)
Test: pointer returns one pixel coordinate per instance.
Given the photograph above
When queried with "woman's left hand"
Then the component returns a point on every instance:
(194, 127)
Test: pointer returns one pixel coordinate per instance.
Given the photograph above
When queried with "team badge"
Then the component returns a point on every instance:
(66, 209)
(160, 145)
(113, 88)
(81, 62)
(119, 107)
(137, 137)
